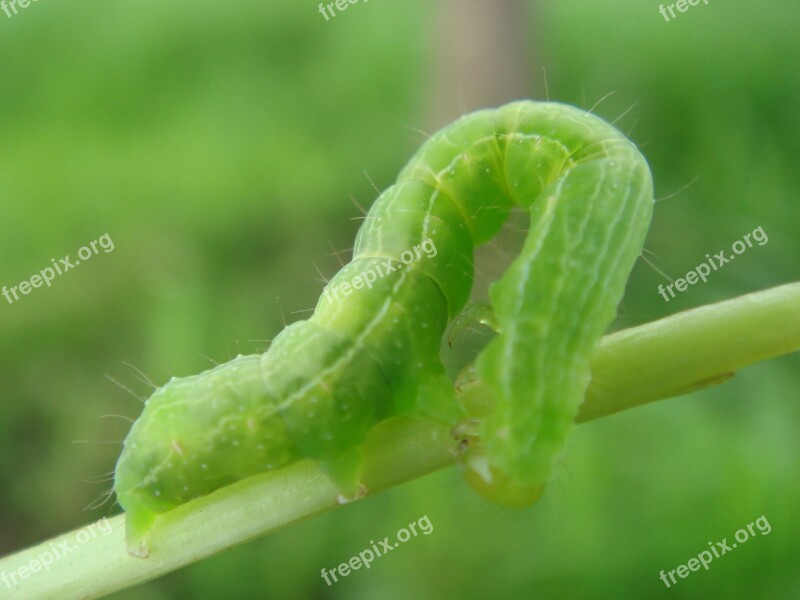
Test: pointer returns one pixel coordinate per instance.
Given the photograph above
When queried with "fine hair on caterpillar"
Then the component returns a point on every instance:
(374, 352)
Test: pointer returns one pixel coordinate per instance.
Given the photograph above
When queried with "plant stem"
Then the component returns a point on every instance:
(691, 350)
(669, 357)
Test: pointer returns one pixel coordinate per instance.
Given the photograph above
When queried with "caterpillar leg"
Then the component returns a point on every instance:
(436, 401)
(138, 522)
(344, 470)
(493, 484)
(473, 313)
(472, 395)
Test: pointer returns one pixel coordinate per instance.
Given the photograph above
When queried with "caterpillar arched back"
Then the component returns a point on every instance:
(373, 352)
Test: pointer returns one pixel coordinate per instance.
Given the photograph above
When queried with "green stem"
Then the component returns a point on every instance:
(691, 350)
(670, 357)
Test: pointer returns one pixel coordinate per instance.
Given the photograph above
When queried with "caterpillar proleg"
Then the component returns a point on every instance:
(374, 352)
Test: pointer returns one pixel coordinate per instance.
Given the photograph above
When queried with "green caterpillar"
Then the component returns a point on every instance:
(373, 352)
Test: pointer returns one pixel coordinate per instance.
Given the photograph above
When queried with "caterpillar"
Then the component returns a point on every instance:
(373, 352)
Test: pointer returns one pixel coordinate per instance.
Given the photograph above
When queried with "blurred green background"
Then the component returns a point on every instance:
(220, 146)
